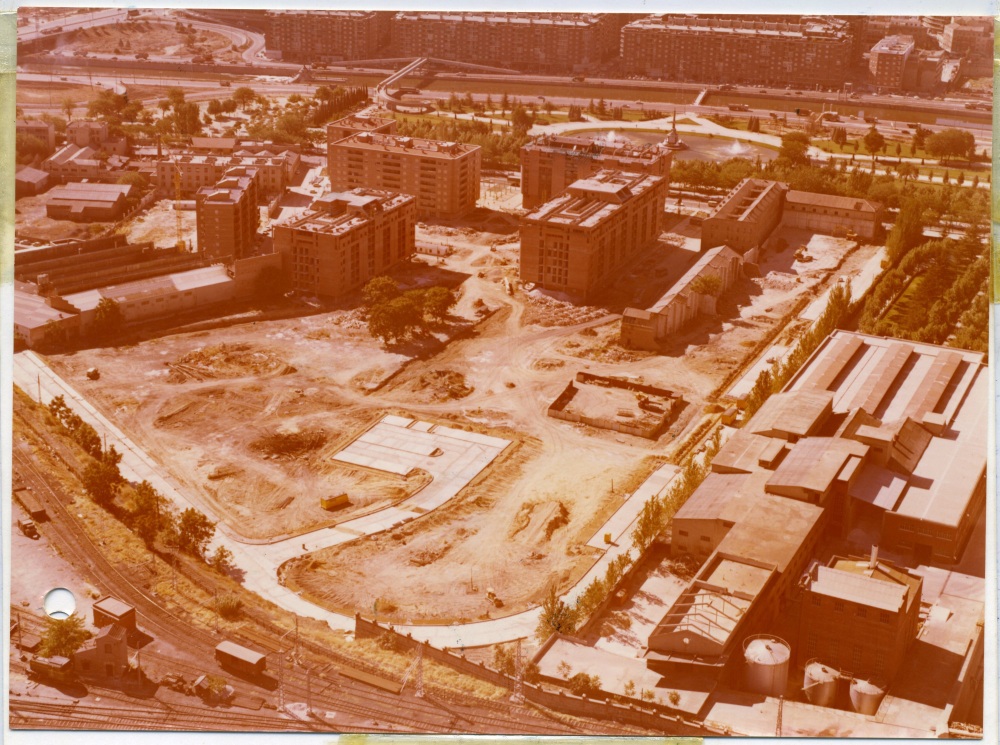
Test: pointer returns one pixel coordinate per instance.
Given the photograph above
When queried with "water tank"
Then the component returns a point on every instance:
(866, 695)
(820, 683)
(767, 660)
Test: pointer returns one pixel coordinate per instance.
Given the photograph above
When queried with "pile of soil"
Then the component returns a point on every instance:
(234, 361)
(289, 444)
(444, 385)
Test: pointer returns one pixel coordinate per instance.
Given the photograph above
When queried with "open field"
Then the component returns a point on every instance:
(251, 418)
(154, 38)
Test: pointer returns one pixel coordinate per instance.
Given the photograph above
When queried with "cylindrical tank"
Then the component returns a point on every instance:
(866, 695)
(766, 664)
(820, 683)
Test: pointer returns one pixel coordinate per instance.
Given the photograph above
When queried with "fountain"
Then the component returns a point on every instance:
(737, 148)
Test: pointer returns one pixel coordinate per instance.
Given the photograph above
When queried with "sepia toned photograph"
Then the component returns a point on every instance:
(452, 372)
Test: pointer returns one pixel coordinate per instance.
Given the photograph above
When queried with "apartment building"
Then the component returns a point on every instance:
(972, 40)
(74, 163)
(274, 171)
(807, 51)
(345, 239)
(575, 242)
(442, 176)
(44, 131)
(531, 42)
(95, 134)
(887, 61)
(353, 124)
(551, 163)
(228, 216)
(327, 35)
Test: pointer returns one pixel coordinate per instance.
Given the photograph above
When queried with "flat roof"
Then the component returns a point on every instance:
(736, 576)
(772, 531)
(504, 19)
(401, 144)
(598, 150)
(589, 202)
(113, 606)
(164, 285)
(337, 213)
(714, 258)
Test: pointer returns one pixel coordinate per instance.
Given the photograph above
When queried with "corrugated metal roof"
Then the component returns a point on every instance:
(857, 588)
(795, 413)
(813, 464)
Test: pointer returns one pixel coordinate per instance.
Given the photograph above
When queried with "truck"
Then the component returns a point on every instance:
(739, 107)
(27, 526)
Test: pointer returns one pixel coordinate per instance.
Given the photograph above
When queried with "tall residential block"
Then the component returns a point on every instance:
(888, 59)
(532, 42)
(576, 241)
(806, 51)
(345, 239)
(228, 215)
(443, 176)
(551, 163)
(327, 35)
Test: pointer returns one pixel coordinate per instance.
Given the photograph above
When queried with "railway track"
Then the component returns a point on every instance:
(437, 712)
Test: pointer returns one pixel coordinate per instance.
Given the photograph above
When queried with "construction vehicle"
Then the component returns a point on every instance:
(27, 526)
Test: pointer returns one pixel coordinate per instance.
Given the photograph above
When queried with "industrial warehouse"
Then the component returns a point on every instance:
(594, 374)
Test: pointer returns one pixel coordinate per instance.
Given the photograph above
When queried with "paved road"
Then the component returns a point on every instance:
(260, 561)
(72, 23)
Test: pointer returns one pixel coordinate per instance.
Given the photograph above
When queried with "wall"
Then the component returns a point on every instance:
(50, 60)
(646, 716)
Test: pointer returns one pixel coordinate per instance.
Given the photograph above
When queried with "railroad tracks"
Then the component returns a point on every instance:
(434, 713)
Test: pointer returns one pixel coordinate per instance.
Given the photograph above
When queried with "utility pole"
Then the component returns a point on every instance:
(281, 682)
(781, 705)
(518, 695)
(419, 693)
(38, 379)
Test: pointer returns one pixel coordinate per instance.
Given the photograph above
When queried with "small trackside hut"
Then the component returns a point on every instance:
(238, 659)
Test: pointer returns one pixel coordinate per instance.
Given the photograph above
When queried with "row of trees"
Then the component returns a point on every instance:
(395, 315)
(139, 506)
(501, 146)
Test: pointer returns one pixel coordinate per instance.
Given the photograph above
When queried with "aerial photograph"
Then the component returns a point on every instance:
(501, 373)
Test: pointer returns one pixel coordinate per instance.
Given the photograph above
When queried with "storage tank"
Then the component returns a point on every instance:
(820, 683)
(767, 660)
(866, 695)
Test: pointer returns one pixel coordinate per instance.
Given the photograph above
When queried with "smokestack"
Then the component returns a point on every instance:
(873, 561)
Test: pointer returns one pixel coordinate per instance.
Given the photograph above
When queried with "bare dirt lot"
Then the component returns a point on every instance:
(154, 38)
(32, 221)
(248, 418)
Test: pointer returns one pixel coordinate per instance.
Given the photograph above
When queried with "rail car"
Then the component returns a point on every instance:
(238, 659)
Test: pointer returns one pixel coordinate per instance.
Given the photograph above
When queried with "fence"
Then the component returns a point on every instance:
(646, 716)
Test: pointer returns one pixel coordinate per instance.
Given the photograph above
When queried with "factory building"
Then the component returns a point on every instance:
(859, 615)
(745, 217)
(577, 241)
(345, 239)
(551, 163)
(442, 176)
(87, 202)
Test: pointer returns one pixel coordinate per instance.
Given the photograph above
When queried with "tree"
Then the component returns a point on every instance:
(68, 107)
(194, 531)
(175, 96)
(28, 148)
(437, 301)
(907, 231)
(874, 141)
(707, 284)
(164, 106)
(101, 480)
(222, 560)
(244, 96)
(795, 147)
(108, 320)
(396, 319)
(150, 512)
(187, 118)
(949, 143)
(215, 107)
(583, 684)
(63, 636)
(557, 617)
(380, 290)
(136, 179)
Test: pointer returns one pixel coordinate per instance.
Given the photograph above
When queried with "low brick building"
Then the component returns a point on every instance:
(88, 202)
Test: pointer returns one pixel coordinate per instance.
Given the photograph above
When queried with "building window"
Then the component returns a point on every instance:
(683, 533)
(817, 600)
(838, 605)
(885, 616)
(862, 612)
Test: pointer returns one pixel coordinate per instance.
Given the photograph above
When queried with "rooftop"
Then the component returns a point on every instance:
(365, 123)
(811, 27)
(831, 201)
(772, 531)
(623, 152)
(791, 414)
(80, 195)
(514, 19)
(146, 288)
(744, 199)
(113, 606)
(337, 213)
(717, 257)
(401, 144)
(813, 464)
(894, 45)
(589, 202)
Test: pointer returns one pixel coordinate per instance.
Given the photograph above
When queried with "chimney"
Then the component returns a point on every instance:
(873, 561)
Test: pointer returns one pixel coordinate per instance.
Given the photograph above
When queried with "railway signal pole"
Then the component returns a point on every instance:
(419, 693)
